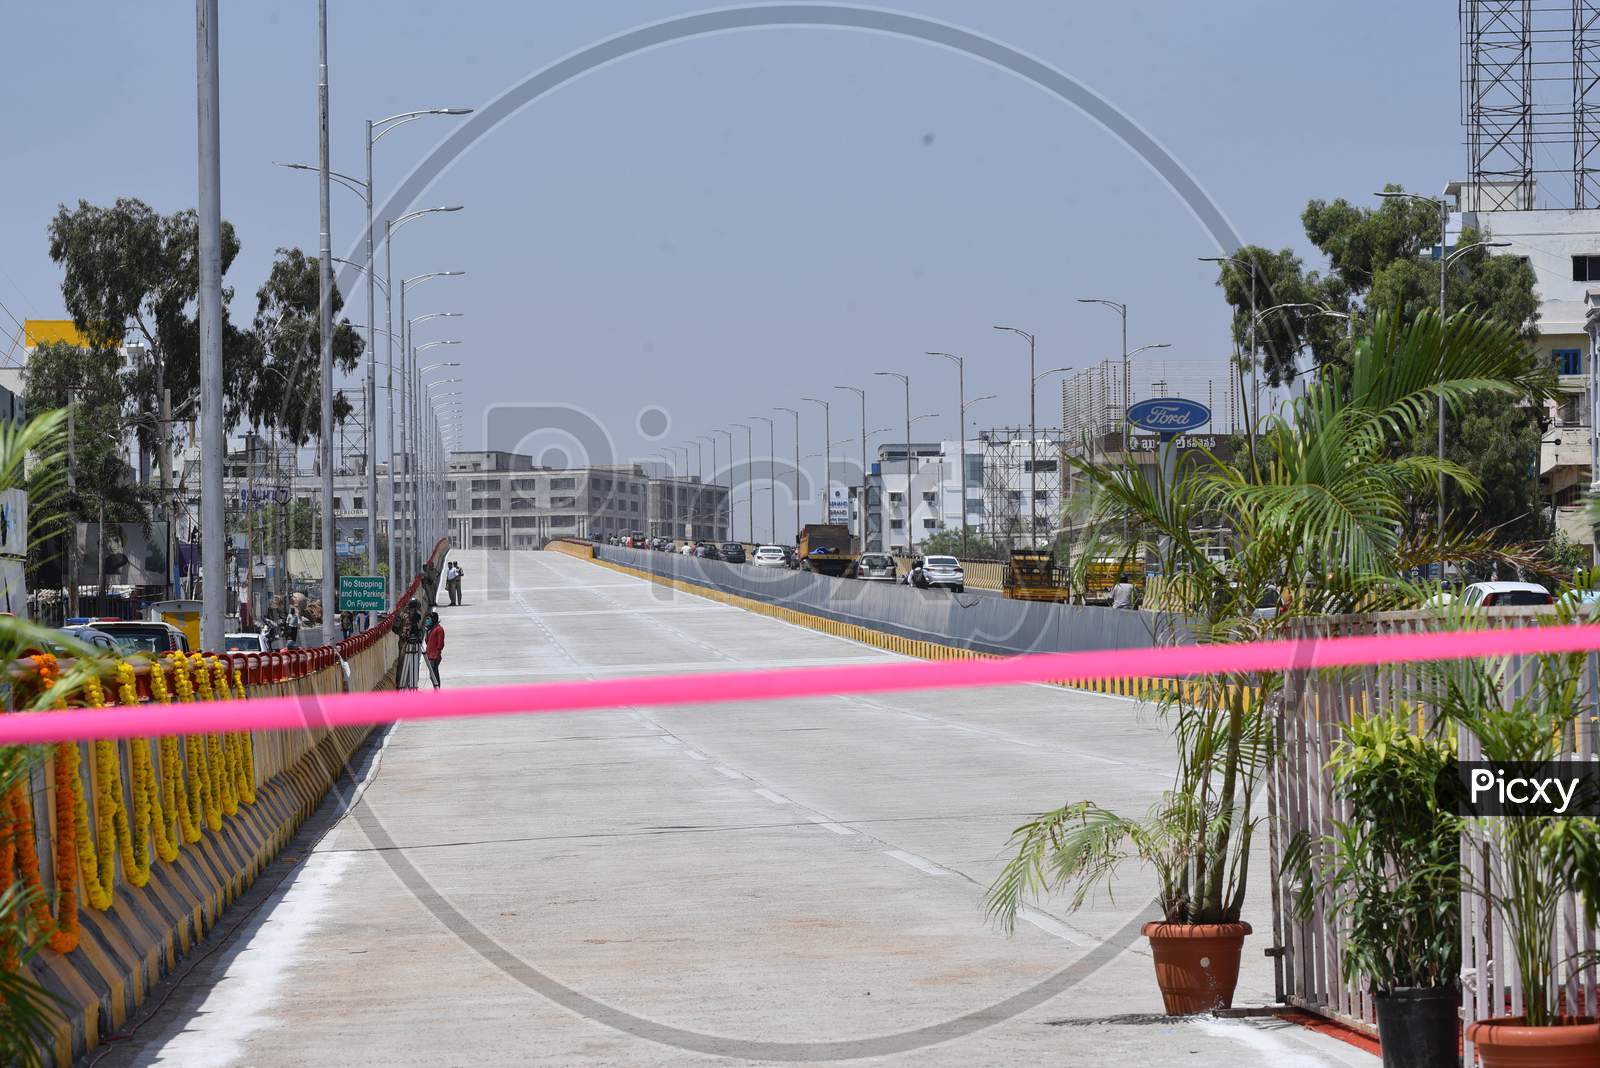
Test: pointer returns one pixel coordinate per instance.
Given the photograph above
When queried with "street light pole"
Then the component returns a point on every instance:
(716, 513)
(961, 430)
(905, 380)
(1127, 374)
(827, 460)
(1033, 439)
(749, 476)
(861, 503)
(796, 415)
(772, 475)
(730, 479)
(330, 531)
(411, 422)
(213, 434)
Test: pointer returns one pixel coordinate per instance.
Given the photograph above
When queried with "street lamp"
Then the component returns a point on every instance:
(1127, 374)
(961, 430)
(1033, 437)
(1252, 416)
(796, 415)
(716, 512)
(905, 380)
(730, 479)
(389, 227)
(749, 465)
(772, 475)
(411, 427)
(827, 459)
(861, 503)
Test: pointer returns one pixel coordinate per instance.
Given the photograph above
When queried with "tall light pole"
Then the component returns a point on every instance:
(411, 422)
(389, 227)
(330, 532)
(1127, 374)
(730, 479)
(716, 513)
(375, 132)
(749, 471)
(1252, 416)
(861, 503)
(827, 460)
(796, 415)
(772, 475)
(905, 380)
(213, 434)
(961, 430)
(1033, 437)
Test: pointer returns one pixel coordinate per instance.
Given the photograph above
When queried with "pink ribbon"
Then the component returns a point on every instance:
(363, 709)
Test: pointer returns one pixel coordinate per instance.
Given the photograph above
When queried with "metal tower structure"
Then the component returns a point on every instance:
(1530, 102)
(1497, 98)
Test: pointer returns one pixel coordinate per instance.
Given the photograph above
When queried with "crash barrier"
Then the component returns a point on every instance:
(135, 847)
(1302, 801)
(584, 550)
(868, 632)
(980, 622)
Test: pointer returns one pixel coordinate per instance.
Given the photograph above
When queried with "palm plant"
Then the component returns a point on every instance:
(1317, 505)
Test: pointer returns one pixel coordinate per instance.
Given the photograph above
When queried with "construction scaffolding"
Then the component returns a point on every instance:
(1021, 485)
(1530, 102)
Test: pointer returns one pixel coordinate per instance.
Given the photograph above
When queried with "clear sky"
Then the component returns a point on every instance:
(726, 224)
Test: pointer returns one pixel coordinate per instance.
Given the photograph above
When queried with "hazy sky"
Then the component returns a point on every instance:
(726, 224)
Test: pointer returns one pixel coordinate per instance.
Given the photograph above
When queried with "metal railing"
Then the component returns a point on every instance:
(1302, 800)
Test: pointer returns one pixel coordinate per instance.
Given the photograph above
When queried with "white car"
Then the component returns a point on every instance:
(769, 556)
(1503, 594)
(245, 641)
(941, 572)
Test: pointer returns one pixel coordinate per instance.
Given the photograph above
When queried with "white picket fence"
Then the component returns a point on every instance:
(1301, 799)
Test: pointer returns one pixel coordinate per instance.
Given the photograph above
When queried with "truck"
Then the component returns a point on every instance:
(825, 549)
(1034, 575)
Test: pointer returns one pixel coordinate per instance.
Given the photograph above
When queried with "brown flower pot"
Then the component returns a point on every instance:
(1508, 1042)
(1197, 964)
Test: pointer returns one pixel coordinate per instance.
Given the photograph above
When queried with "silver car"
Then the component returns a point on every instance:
(876, 567)
(938, 572)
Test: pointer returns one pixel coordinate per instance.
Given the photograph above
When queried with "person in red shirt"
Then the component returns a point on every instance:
(433, 646)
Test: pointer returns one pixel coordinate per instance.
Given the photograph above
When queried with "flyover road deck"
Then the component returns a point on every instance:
(800, 881)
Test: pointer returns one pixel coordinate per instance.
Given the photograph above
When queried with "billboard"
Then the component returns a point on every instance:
(121, 554)
(839, 505)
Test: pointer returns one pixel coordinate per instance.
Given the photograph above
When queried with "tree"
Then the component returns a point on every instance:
(1318, 507)
(129, 269)
(1380, 260)
(949, 542)
(281, 387)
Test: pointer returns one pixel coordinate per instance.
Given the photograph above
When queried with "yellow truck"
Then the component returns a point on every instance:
(1034, 575)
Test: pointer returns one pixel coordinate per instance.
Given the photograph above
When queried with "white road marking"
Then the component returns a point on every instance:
(836, 828)
(1052, 926)
(776, 799)
(729, 772)
(915, 861)
(667, 739)
(695, 754)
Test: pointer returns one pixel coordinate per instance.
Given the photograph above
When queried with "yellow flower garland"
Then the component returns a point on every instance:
(174, 796)
(95, 852)
(246, 746)
(218, 766)
(202, 803)
(148, 813)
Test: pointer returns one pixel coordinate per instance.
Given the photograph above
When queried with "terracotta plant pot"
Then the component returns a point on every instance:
(1197, 964)
(1507, 1042)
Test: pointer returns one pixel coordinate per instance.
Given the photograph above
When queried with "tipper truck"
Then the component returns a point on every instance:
(825, 549)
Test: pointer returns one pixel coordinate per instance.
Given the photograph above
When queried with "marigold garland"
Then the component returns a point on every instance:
(174, 796)
(148, 814)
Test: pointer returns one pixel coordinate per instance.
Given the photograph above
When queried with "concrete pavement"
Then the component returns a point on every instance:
(794, 881)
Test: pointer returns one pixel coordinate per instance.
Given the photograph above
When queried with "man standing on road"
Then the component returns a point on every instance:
(452, 583)
(433, 646)
(1124, 593)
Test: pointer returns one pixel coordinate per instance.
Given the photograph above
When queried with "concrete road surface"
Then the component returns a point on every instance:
(765, 883)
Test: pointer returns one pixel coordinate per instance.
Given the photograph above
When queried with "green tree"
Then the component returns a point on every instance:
(950, 542)
(1380, 260)
(89, 380)
(127, 269)
(281, 386)
(1318, 509)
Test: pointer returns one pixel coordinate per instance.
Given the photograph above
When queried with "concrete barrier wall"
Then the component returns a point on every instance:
(128, 901)
(982, 622)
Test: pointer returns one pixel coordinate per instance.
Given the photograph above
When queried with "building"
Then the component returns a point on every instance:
(1562, 245)
(500, 500)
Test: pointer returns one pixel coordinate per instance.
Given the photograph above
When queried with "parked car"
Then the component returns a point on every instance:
(661, 545)
(733, 552)
(245, 641)
(769, 556)
(876, 567)
(707, 550)
(146, 636)
(1502, 594)
(938, 572)
(95, 638)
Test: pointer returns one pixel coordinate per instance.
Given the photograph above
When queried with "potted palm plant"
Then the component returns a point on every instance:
(1317, 504)
(1526, 713)
(1393, 874)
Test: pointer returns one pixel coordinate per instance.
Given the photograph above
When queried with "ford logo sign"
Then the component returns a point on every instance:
(1169, 415)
